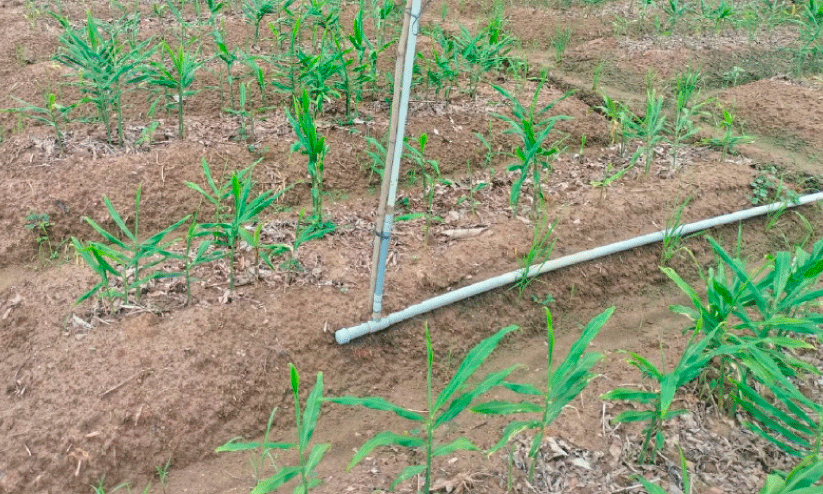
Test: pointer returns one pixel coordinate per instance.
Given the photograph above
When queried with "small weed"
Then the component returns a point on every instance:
(474, 187)
(685, 481)
(163, 474)
(732, 77)
(676, 10)
(597, 74)
(753, 323)
(659, 402)
(101, 489)
(768, 187)
(622, 119)
(40, 224)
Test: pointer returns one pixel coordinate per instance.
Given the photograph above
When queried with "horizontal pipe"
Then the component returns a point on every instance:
(347, 334)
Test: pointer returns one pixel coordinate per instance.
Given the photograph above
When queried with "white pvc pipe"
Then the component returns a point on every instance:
(384, 230)
(347, 334)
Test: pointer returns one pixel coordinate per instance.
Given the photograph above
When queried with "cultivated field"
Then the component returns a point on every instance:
(188, 195)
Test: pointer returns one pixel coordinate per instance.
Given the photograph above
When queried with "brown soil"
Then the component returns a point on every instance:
(89, 394)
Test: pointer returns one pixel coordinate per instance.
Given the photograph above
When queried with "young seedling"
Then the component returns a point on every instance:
(258, 75)
(683, 127)
(609, 176)
(324, 75)
(228, 57)
(216, 195)
(377, 156)
(308, 456)
(178, 78)
(729, 141)
(180, 19)
(304, 231)
(255, 11)
(539, 252)
(203, 254)
(52, 114)
(486, 51)
(673, 236)
(455, 398)
(442, 66)
(128, 259)
(532, 127)
(621, 118)
(563, 384)
(313, 146)
(659, 403)
(40, 223)
(246, 115)
(488, 156)
(430, 170)
(106, 68)
(560, 41)
(245, 210)
(649, 129)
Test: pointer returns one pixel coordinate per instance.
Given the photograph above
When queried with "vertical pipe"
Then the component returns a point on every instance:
(394, 148)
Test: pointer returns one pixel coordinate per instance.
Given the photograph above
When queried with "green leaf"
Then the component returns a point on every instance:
(315, 456)
(645, 366)
(459, 444)
(685, 287)
(649, 486)
(312, 411)
(634, 416)
(463, 401)
(625, 394)
(385, 438)
(274, 482)
(506, 408)
(470, 364)
(236, 444)
(512, 429)
(524, 388)
(579, 346)
(377, 403)
(407, 473)
(668, 387)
